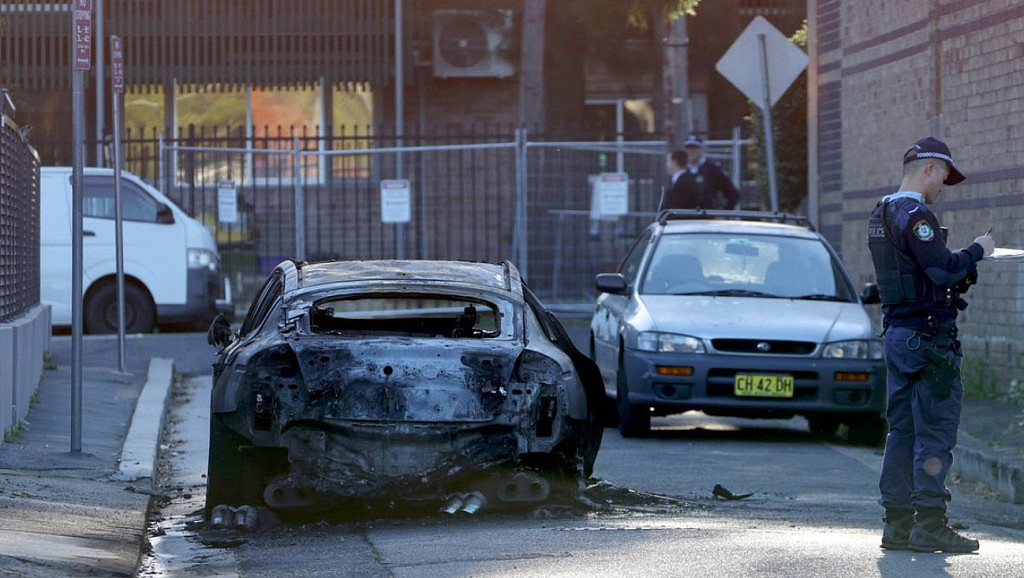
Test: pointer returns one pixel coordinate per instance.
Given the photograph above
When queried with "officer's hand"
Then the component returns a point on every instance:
(987, 243)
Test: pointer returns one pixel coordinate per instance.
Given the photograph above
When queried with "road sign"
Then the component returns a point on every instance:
(83, 34)
(743, 63)
(116, 64)
(395, 201)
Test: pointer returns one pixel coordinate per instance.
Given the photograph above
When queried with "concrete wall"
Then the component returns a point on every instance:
(890, 73)
(23, 342)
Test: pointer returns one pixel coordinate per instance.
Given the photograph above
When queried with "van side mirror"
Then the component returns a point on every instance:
(613, 283)
(870, 294)
(164, 215)
(219, 333)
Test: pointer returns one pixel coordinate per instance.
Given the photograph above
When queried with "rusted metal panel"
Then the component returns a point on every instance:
(225, 42)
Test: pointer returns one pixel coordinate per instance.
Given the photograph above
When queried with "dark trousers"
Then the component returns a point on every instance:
(922, 425)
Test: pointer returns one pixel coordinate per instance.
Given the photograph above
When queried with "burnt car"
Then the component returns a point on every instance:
(420, 380)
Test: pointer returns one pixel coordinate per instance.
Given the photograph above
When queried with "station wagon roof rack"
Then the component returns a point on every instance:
(764, 216)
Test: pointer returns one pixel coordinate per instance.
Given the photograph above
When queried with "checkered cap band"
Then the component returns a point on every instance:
(922, 155)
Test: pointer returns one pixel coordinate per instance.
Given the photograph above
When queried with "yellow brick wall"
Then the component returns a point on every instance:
(900, 64)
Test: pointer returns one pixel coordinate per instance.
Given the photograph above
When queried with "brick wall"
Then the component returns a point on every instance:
(888, 73)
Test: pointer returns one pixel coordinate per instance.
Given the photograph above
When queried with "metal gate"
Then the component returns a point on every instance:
(497, 198)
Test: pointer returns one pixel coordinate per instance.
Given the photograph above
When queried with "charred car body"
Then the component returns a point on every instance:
(356, 380)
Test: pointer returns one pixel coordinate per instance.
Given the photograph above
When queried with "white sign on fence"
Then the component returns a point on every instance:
(227, 202)
(395, 201)
(611, 194)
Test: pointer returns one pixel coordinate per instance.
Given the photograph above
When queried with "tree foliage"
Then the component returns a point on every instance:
(789, 131)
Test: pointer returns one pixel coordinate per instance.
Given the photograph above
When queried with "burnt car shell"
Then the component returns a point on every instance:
(311, 407)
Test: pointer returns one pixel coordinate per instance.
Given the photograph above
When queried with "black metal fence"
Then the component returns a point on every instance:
(19, 220)
(480, 193)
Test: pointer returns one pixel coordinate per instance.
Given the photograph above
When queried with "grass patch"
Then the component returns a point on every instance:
(978, 378)
(49, 361)
(13, 434)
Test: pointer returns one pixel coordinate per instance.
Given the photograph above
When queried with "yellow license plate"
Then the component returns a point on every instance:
(764, 385)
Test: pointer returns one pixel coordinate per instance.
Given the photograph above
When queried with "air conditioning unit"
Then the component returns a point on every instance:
(474, 43)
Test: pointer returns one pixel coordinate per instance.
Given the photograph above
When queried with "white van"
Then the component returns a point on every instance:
(171, 263)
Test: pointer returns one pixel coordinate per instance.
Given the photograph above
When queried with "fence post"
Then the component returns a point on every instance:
(300, 203)
(521, 246)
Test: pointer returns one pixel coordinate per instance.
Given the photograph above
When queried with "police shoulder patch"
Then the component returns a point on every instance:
(923, 230)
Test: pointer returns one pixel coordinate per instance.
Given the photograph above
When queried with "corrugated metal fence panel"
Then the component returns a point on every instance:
(19, 223)
(199, 42)
(35, 40)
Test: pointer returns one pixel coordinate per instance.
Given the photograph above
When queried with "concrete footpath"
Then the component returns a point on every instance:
(66, 513)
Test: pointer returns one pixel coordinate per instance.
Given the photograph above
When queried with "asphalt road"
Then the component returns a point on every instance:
(812, 512)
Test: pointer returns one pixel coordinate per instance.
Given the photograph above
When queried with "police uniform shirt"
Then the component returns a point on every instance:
(916, 234)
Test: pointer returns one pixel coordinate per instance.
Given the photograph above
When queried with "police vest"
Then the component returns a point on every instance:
(900, 279)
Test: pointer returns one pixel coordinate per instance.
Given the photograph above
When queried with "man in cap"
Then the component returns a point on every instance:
(696, 181)
(921, 283)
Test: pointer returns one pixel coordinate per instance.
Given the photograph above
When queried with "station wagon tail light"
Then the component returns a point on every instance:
(668, 343)
(854, 349)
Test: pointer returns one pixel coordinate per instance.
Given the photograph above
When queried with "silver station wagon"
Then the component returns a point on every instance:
(737, 313)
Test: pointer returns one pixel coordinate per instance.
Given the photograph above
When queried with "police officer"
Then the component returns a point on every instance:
(921, 283)
(696, 181)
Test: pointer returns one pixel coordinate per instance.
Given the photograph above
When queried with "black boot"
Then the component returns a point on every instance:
(931, 533)
(897, 528)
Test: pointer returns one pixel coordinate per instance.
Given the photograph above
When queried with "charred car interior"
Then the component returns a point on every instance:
(439, 381)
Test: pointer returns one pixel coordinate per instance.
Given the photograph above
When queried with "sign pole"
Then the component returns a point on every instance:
(81, 59)
(766, 111)
(117, 81)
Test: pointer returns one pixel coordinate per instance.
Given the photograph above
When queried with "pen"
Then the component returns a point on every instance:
(989, 232)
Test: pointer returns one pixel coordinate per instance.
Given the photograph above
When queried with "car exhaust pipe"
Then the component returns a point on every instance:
(524, 486)
(453, 505)
(221, 517)
(473, 503)
(245, 517)
(279, 494)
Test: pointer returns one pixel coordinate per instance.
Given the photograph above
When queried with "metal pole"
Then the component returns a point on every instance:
(300, 204)
(736, 156)
(119, 233)
(77, 162)
(399, 117)
(99, 38)
(620, 127)
(522, 248)
(766, 109)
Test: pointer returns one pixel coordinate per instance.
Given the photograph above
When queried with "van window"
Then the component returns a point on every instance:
(136, 204)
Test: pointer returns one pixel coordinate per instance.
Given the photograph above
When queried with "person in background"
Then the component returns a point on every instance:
(696, 181)
(921, 284)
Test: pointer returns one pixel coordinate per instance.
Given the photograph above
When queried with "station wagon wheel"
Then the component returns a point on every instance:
(634, 420)
(609, 410)
(100, 310)
(823, 424)
(867, 431)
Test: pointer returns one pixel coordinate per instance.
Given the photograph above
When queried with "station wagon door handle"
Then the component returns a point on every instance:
(88, 233)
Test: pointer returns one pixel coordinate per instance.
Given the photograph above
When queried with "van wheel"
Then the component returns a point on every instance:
(100, 312)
